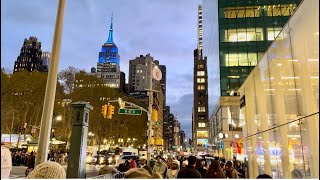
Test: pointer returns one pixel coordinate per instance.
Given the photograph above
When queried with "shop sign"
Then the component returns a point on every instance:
(229, 101)
(272, 151)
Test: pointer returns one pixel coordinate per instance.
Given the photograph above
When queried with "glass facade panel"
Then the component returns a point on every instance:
(280, 109)
(241, 59)
(238, 35)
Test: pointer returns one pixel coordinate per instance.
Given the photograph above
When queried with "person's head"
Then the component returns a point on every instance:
(229, 166)
(222, 165)
(215, 170)
(130, 159)
(174, 165)
(140, 173)
(184, 163)
(203, 162)
(107, 162)
(192, 160)
(48, 170)
(143, 162)
(159, 159)
(264, 176)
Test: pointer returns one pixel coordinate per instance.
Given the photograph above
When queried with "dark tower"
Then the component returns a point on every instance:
(200, 102)
(30, 56)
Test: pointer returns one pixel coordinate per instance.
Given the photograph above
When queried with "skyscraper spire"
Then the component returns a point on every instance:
(110, 38)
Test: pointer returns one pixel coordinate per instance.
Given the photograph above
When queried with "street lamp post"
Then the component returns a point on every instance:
(50, 88)
(150, 113)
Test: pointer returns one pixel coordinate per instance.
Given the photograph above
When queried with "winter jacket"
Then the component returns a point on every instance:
(172, 174)
(188, 172)
(160, 168)
(203, 170)
(148, 168)
(107, 170)
(133, 164)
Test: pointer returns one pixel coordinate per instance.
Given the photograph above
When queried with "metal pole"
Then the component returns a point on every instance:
(48, 105)
(150, 111)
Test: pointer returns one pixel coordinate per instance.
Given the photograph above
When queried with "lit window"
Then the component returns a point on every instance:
(201, 109)
(200, 73)
(241, 59)
(273, 33)
(201, 124)
(202, 134)
(240, 35)
(200, 80)
(201, 87)
(200, 66)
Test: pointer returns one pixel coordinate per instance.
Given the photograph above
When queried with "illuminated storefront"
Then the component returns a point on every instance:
(279, 101)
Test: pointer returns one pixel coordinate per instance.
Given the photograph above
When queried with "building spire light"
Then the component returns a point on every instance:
(110, 38)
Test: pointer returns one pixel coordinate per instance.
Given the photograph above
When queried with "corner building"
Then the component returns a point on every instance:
(245, 31)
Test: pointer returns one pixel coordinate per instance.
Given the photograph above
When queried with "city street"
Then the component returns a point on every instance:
(17, 172)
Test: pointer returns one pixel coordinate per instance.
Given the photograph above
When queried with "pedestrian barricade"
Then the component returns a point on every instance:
(109, 176)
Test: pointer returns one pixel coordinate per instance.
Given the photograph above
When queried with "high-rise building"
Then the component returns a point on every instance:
(200, 102)
(236, 35)
(183, 143)
(46, 57)
(122, 87)
(30, 56)
(163, 82)
(139, 73)
(166, 127)
(108, 63)
(199, 26)
(138, 85)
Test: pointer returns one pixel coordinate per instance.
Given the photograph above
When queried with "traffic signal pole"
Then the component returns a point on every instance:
(47, 112)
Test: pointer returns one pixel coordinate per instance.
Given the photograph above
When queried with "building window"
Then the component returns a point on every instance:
(200, 80)
(273, 33)
(202, 134)
(242, 12)
(201, 109)
(201, 124)
(201, 87)
(241, 59)
(200, 66)
(241, 35)
(200, 73)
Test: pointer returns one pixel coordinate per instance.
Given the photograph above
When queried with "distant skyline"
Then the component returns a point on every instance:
(166, 29)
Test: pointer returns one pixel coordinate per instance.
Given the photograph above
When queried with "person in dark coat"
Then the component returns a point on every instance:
(145, 166)
(202, 168)
(189, 171)
(31, 163)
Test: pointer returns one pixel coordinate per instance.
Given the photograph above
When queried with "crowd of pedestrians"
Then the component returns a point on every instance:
(176, 168)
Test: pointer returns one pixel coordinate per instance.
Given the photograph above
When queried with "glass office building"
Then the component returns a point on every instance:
(246, 29)
(279, 109)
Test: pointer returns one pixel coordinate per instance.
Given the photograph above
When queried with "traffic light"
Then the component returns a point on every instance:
(110, 111)
(154, 115)
(123, 104)
(104, 111)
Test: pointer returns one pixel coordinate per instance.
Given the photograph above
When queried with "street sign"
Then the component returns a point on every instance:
(157, 74)
(130, 111)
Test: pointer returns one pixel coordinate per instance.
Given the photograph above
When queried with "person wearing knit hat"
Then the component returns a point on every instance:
(48, 170)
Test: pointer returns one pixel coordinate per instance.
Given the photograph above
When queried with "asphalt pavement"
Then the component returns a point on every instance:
(18, 172)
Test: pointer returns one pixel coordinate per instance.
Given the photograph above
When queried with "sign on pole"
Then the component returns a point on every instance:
(130, 111)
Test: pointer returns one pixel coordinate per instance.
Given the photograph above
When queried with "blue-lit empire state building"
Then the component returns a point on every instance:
(108, 63)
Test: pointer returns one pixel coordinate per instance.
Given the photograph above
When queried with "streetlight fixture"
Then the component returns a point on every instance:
(59, 118)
